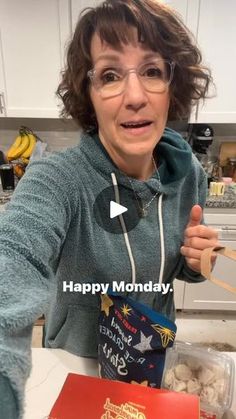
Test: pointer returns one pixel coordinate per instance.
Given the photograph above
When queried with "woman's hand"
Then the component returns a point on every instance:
(197, 237)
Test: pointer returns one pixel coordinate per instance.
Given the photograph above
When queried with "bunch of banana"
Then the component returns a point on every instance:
(23, 146)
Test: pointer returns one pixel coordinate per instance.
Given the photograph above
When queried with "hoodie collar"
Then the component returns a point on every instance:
(172, 153)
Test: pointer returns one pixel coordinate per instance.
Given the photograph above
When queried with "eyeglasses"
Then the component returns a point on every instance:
(155, 76)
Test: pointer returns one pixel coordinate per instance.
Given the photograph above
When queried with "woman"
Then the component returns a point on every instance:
(131, 67)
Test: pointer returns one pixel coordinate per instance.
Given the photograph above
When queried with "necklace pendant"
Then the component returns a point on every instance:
(143, 212)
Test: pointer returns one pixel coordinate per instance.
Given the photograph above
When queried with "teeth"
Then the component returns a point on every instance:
(134, 125)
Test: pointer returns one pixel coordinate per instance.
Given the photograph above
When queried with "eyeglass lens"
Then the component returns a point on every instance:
(110, 80)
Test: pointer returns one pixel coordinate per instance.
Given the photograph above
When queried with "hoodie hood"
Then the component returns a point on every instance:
(173, 155)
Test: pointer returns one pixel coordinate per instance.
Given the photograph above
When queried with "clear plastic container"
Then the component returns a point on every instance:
(194, 369)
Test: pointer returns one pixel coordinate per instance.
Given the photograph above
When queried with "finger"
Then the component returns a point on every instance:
(200, 243)
(195, 216)
(201, 231)
(194, 264)
(191, 253)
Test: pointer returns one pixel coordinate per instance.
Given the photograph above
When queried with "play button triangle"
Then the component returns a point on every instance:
(116, 209)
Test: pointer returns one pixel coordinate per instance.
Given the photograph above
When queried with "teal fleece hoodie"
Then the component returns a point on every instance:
(49, 235)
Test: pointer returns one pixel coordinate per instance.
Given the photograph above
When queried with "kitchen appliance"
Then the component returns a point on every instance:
(200, 139)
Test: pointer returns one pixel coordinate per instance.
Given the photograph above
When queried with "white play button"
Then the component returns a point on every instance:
(116, 209)
(107, 212)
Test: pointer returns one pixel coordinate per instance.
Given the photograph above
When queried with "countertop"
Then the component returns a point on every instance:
(49, 371)
(50, 368)
(228, 200)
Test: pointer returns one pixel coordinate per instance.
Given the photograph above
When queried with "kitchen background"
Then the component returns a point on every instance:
(31, 60)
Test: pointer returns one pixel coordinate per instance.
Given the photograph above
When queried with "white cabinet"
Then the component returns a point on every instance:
(2, 84)
(188, 10)
(181, 6)
(207, 295)
(216, 36)
(33, 34)
(213, 25)
(179, 289)
(78, 5)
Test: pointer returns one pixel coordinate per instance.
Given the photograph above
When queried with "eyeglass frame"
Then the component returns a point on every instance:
(172, 64)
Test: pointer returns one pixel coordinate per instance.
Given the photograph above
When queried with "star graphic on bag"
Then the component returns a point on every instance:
(166, 334)
(151, 366)
(106, 303)
(126, 310)
(143, 383)
(144, 344)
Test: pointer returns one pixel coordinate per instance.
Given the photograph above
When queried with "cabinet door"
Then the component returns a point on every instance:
(181, 6)
(2, 84)
(189, 11)
(209, 296)
(33, 34)
(217, 40)
(179, 288)
(78, 5)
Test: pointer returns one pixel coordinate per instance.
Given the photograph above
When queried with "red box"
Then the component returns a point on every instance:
(85, 397)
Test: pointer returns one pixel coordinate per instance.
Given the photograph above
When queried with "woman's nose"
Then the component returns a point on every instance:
(135, 94)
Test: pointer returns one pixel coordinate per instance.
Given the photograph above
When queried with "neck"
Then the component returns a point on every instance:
(138, 167)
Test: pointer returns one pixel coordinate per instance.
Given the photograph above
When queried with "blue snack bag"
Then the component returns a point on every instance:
(132, 341)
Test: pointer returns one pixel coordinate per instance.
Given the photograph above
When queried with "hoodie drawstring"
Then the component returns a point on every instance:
(126, 237)
(162, 239)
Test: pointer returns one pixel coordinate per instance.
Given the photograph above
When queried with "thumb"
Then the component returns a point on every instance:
(195, 216)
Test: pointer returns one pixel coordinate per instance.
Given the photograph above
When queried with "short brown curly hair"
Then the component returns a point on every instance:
(160, 28)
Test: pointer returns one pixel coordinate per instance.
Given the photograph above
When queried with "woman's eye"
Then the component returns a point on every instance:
(154, 72)
(109, 77)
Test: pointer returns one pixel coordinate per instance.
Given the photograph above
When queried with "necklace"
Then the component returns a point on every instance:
(143, 210)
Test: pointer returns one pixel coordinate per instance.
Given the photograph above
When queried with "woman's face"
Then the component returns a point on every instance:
(116, 114)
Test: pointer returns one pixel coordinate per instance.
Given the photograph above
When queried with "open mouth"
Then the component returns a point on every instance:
(131, 125)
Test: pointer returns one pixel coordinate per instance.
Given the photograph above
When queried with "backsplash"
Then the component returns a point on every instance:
(222, 133)
(56, 140)
(59, 134)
